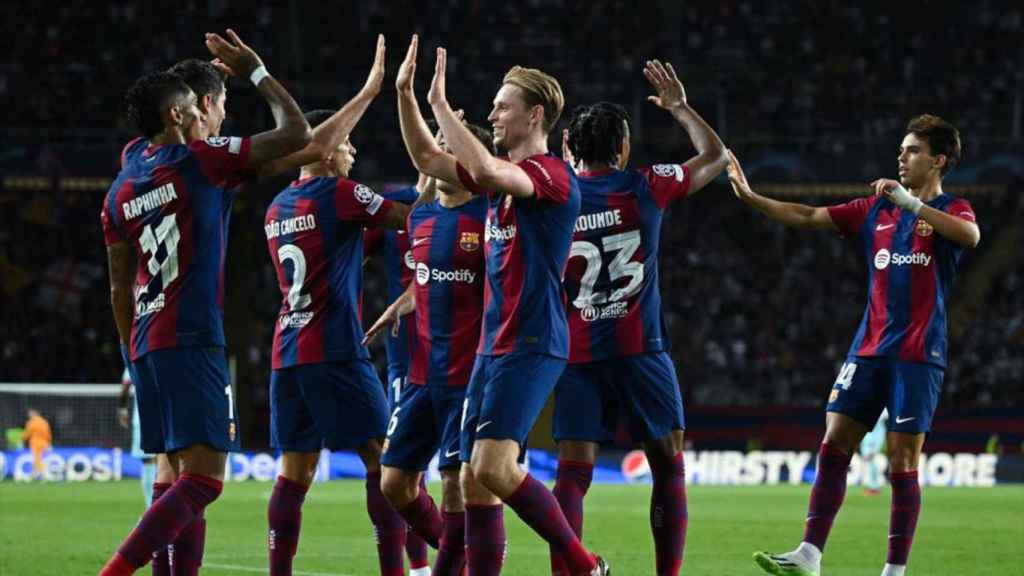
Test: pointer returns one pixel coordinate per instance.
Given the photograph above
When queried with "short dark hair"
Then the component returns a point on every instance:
(596, 132)
(200, 75)
(149, 96)
(482, 134)
(318, 117)
(943, 138)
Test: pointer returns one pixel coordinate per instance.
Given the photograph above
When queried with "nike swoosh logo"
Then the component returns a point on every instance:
(881, 227)
(451, 454)
(902, 420)
(419, 241)
(484, 425)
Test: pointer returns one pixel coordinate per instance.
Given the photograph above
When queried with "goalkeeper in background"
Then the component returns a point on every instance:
(38, 437)
(148, 474)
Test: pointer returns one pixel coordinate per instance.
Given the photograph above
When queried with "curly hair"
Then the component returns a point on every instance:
(149, 95)
(596, 132)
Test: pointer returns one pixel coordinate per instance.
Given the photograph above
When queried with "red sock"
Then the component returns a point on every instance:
(388, 526)
(451, 554)
(571, 485)
(485, 539)
(415, 546)
(424, 518)
(284, 519)
(535, 504)
(827, 494)
(669, 517)
(905, 508)
(161, 557)
(187, 549)
(160, 525)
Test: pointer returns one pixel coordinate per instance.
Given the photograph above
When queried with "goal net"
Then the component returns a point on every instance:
(79, 414)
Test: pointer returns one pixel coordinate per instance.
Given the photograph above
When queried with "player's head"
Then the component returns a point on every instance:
(528, 102)
(929, 150)
(599, 134)
(339, 161)
(211, 94)
(482, 134)
(161, 101)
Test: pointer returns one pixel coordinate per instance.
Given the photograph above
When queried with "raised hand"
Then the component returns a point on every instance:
(883, 186)
(665, 82)
(224, 68)
(235, 57)
(407, 71)
(897, 194)
(437, 95)
(740, 186)
(566, 151)
(376, 78)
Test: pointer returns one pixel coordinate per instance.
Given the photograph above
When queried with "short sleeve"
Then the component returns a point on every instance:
(224, 161)
(849, 217)
(112, 234)
(668, 182)
(962, 209)
(550, 177)
(467, 181)
(356, 202)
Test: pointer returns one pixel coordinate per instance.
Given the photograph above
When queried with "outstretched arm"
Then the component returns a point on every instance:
(963, 232)
(292, 131)
(425, 153)
(711, 158)
(329, 135)
(393, 315)
(486, 170)
(788, 213)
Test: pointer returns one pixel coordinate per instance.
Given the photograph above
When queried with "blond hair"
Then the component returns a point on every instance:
(538, 88)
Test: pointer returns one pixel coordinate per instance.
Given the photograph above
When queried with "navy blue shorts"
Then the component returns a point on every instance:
(910, 390)
(592, 398)
(505, 396)
(337, 405)
(426, 421)
(185, 398)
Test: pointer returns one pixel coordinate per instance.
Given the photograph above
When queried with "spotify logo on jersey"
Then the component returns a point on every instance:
(410, 263)
(422, 273)
(882, 258)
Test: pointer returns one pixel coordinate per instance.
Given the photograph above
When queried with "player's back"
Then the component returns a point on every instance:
(314, 232)
(171, 202)
(614, 303)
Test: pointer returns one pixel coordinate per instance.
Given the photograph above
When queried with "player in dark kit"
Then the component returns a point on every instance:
(533, 202)
(619, 366)
(168, 210)
(912, 242)
(393, 248)
(447, 296)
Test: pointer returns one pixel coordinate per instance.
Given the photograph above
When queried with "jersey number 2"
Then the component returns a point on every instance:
(296, 299)
(625, 245)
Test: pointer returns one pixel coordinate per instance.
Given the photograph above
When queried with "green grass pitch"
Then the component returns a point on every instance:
(69, 529)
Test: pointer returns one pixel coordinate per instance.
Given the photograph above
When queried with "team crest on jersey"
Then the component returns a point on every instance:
(469, 241)
(834, 395)
(508, 201)
(668, 171)
(231, 431)
(924, 229)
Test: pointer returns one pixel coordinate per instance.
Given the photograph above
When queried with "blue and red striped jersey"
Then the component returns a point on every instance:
(393, 246)
(314, 231)
(614, 304)
(910, 275)
(447, 248)
(526, 245)
(172, 203)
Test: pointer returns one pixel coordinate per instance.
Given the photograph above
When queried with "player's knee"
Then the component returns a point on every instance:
(902, 458)
(450, 481)
(398, 487)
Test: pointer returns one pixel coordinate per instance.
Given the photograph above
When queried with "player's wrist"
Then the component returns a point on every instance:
(258, 74)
